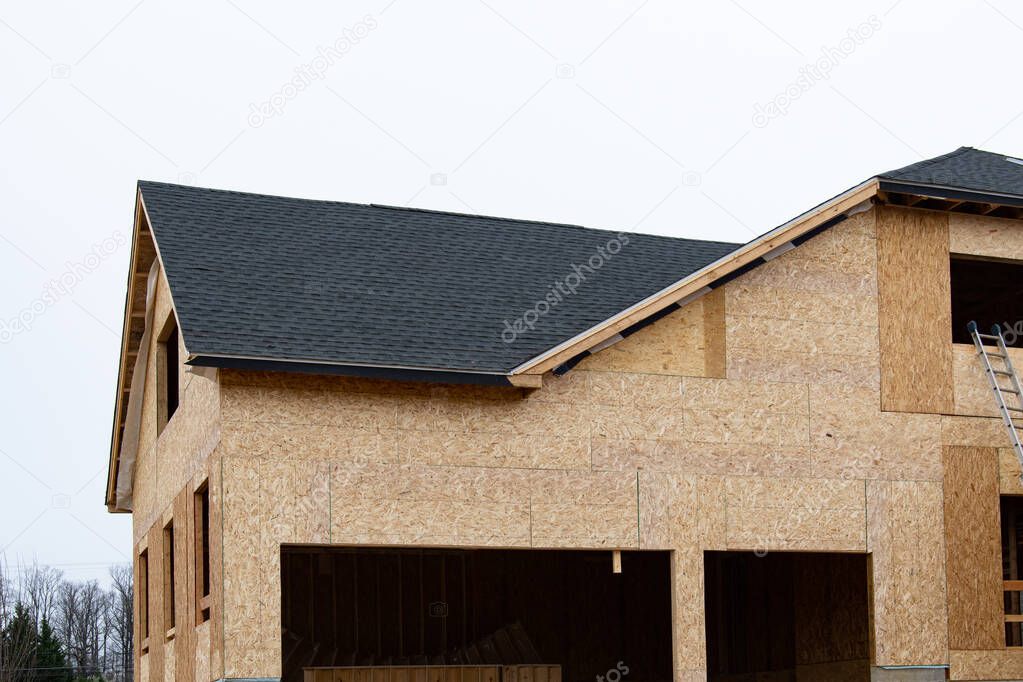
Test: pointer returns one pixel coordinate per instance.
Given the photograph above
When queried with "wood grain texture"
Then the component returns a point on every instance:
(973, 548)
(915, 311)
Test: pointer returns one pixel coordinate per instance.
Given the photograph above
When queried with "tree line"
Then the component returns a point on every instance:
(57, 630)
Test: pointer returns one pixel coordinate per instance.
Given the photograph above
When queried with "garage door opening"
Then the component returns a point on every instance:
(475, 615)
(787, 616)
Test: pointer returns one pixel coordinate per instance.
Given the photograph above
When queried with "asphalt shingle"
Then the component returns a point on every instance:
(966, 168)
(279, 278)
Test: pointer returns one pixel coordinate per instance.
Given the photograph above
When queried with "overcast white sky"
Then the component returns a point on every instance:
(648, 115)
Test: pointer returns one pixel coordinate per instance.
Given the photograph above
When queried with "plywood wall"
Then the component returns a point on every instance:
(973, 548)
(915, 313)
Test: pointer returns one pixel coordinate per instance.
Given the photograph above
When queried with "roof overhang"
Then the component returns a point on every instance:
(952, 199)
(395, 373)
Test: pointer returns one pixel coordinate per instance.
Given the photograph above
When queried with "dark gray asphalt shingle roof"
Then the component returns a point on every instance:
(965, 168)
(295, 279)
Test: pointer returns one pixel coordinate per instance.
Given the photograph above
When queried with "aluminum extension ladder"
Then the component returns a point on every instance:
(995, 375)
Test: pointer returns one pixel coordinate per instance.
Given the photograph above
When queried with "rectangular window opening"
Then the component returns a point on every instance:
(987, 292)
(168, 579)
(1012, 572)
(202, 553)
(143, 587)
(168, 373)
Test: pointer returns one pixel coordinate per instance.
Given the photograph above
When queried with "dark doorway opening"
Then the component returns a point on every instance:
(987, 292)
(362, 607)
(789, 615)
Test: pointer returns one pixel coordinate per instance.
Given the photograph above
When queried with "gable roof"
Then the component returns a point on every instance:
(964, 169)
(266, 278)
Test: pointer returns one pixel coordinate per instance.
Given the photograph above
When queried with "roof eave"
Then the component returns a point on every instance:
(951, 193)
(393, 373)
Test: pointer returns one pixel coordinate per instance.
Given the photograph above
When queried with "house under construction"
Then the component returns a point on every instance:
(371, 444)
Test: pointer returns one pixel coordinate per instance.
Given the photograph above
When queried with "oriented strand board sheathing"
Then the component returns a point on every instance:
(795, 514)
(973, 549)
(203, 672)
(155, 590)
(714, 358)
(673, 345)
(243, 573)
(973, 394)
(726, 459)
(1010, 472)
(688, 629)
(997, 664)
(989, 433)
(668, 510)
(851, 439)
(982, 236)
(905, 537)
(915, 311)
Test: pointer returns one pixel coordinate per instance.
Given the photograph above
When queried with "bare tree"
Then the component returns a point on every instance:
(39, 586)
(120, 627)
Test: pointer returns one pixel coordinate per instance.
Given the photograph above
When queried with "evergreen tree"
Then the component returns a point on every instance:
(19, 646)
(50, 661)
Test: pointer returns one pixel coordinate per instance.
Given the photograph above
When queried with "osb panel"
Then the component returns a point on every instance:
(203, 671)
(999, 664)
(915, 311)
(973, 393)
(668, 510)
(990, 433)
(850, 438)
(675, 344)
(973, 548)
(309, 441)
(714, 356)
(155, 591)
(754, 365)
(905, 537)
(1010, 472)
(983, 236)
(726, 459)
(492, 449)
(689, 631)
(188, 439)
(243, 573)
(375, 504)
(795, 514)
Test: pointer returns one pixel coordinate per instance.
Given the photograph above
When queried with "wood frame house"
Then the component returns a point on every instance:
(363, 442)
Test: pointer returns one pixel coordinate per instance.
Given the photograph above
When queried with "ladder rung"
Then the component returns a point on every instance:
(1002, 372)
(1008, 390)
(988, 336)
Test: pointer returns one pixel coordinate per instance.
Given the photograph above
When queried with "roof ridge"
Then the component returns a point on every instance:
(926, 163)
(416, 209)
